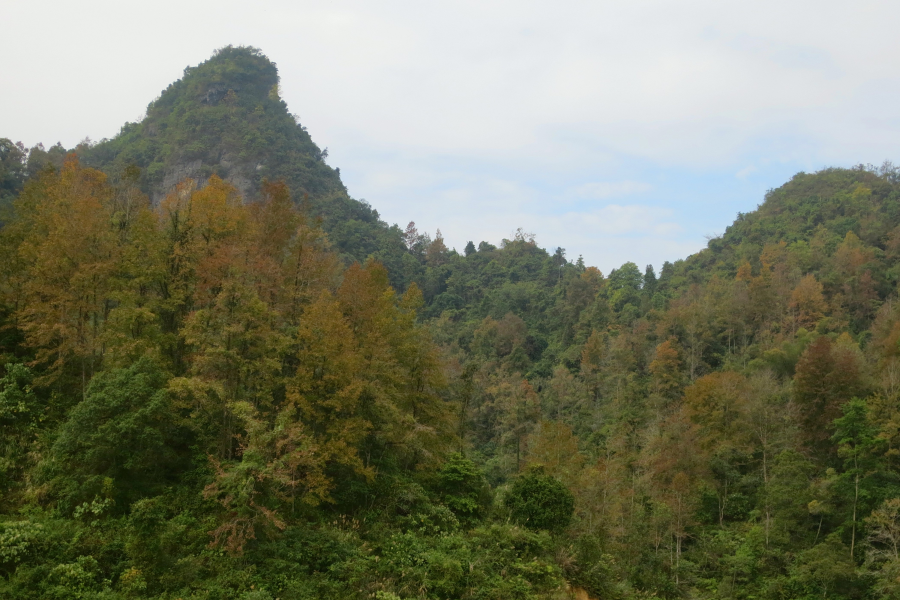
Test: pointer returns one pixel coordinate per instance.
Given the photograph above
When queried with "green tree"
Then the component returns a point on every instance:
(624, 286)
(12, 173)
(540, 501)
(826, 567)
(826, 377)
(463, 489)
(122, 439)
(20, 415)
(856, 439)
(884, 547)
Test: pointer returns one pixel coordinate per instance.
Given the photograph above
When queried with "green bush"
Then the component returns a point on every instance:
(119, 441)
(539, 501)
(463, 489)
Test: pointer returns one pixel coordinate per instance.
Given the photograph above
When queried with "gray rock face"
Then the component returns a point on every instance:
(176, 174)
(217, 92)
(179, 172)
(240, 175)
(244, 185)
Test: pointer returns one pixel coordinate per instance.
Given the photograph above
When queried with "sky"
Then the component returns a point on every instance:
(620, 131)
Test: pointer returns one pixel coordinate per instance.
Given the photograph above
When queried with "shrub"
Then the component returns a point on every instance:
(463, 489)
(539, 501)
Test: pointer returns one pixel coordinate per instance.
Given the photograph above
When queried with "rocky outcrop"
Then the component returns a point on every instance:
(179, 172)
(175, 175)
(217, 92)
(241, 175)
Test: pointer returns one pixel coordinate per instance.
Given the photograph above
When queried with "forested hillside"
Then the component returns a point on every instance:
(204, 395)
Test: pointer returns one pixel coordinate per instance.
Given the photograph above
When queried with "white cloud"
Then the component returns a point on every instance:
(615, 219)
(611, 189)
(746, 172)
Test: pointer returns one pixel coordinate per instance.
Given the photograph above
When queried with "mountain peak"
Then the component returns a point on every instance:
(224, 117)
(243, 70)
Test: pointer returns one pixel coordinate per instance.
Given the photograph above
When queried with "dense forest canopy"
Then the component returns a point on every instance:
(222, 377)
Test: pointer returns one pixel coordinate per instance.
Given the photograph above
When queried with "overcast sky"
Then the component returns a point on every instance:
(617, 130)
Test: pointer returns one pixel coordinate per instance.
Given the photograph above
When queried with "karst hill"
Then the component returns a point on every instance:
(225, 117)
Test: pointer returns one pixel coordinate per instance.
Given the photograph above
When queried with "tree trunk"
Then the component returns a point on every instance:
(855, 501)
